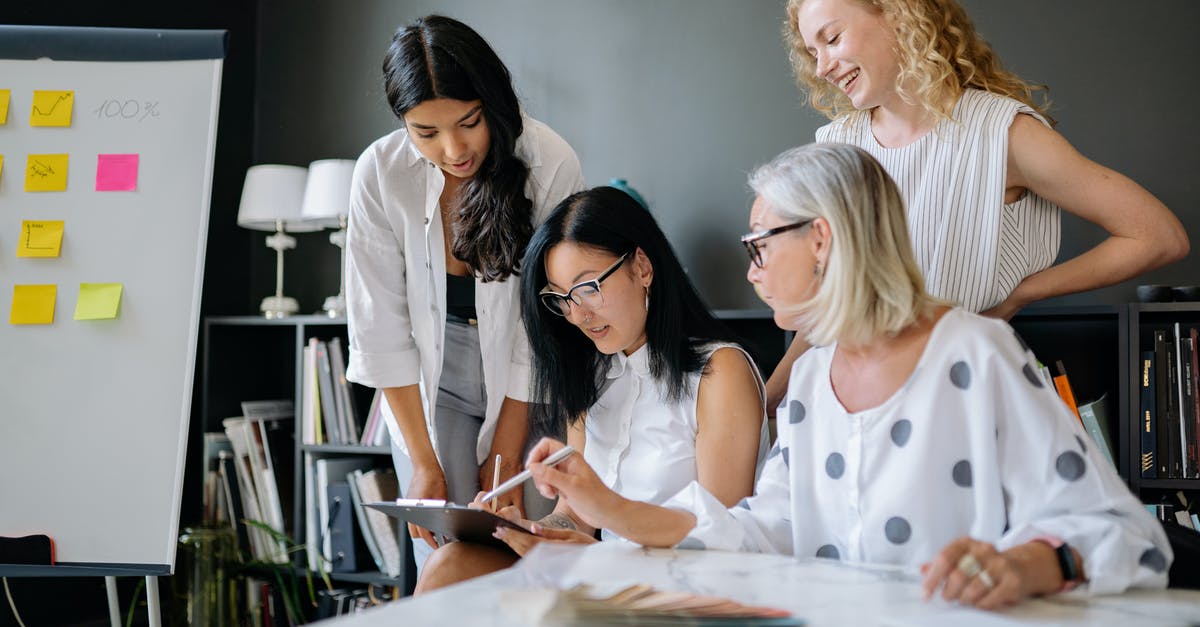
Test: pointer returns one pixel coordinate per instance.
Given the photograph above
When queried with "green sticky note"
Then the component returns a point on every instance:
(98, 301)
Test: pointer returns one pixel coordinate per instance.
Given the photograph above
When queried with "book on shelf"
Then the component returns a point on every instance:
(343, 394)
(231, 493)
(1188, 402)
(1163, 402)
(1146, 417)
(383, 533)
(328, 471)
(364, 525)
(313, 432)
(1170, 404)
(1095, 421)
(260, 543)
(374, 424)
(325, 391)
(1063, 385)
(274, 434)
(1194, 440)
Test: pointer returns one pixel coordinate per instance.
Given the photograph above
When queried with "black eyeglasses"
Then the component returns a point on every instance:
(751, 240)
(586, 293)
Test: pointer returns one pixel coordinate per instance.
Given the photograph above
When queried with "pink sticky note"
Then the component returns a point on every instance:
(116, 173)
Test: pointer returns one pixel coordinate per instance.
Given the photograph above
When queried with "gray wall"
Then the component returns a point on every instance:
(683, 97)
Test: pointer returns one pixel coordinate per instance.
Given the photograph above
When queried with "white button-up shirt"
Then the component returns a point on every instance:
(396, 274)
(642, 445)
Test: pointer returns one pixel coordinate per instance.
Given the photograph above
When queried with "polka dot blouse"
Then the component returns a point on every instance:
(974, 443)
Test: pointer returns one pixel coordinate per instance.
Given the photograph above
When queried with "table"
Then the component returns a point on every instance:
(823, 592)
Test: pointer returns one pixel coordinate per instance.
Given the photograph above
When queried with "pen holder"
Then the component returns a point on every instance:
(209, 561)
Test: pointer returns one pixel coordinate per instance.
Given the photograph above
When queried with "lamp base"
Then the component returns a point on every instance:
(335, 306)
(274, 307)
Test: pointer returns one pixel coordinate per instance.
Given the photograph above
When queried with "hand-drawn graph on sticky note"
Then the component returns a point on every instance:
(98, 301)
(116, 173)
(5, 94)
(51, 108)
(40, 238)
(32, 304)
(46, 173)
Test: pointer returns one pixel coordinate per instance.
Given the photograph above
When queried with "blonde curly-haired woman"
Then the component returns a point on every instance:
(972, 150)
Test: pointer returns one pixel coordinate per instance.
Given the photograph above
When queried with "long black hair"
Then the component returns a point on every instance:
(567, 367)
(439, 57)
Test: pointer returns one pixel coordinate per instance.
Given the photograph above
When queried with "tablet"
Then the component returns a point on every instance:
(457, 522)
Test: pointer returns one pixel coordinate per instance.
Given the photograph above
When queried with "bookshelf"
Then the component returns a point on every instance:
(1101, 347)
(1144, 318)
(249, 358)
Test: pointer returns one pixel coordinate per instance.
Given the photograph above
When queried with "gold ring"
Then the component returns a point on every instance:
(986, 579)
(969, 566)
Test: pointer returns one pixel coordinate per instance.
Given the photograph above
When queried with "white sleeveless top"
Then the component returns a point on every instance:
(642, 445)
(971, 247)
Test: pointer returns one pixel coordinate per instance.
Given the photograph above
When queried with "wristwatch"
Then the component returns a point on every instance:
(1066, 561)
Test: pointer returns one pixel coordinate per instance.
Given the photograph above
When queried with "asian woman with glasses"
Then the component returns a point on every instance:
(631, 363)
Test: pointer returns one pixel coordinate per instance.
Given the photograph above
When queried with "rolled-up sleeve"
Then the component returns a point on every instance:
(759, 524)
(382, 351)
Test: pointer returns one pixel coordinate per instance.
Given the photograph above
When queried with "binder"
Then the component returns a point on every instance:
(341, 530)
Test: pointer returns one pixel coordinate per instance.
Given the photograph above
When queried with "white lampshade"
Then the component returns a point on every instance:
(271, 193)
(327, 193)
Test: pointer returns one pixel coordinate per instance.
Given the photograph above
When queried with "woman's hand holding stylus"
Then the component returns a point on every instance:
(572, 480)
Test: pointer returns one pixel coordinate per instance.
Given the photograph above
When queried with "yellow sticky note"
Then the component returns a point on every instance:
(46, 173)
(33, 304)
(51, 108)
(5, 94)
(98, 301)
(40, 238)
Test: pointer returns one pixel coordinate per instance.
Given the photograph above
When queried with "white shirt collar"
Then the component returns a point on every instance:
(639, 361)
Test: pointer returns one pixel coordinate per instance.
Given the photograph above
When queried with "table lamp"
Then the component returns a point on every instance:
(271, 200)
(326, 204)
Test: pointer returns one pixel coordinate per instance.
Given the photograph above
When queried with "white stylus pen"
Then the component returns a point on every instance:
(525, 475)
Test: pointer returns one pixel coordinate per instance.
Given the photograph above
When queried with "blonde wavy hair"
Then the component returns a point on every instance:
(871, 285)
(939, 52)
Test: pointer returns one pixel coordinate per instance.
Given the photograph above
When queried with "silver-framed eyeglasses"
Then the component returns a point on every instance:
(586, 293)
(751, 240)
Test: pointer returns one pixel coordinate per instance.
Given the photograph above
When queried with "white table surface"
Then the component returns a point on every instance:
(822, 592)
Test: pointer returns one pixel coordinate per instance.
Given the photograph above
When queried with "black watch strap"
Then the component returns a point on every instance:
(1066, 562)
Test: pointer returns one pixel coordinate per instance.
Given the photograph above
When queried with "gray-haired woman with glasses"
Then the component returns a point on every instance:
(632, 365)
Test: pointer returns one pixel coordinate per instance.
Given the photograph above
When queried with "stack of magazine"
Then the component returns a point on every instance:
(645, 605)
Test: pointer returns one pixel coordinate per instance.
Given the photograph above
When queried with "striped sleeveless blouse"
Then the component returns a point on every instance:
(972, 248)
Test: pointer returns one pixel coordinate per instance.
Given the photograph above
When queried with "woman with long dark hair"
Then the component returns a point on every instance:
(629, 361)
(440, 214)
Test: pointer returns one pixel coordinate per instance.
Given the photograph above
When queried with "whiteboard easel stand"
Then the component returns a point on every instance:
(114, 604)
(110, 574)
